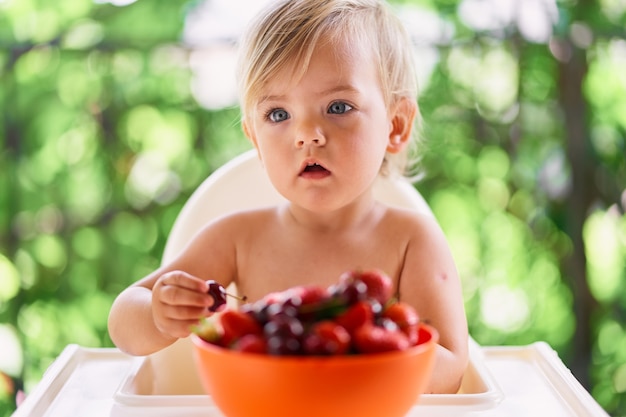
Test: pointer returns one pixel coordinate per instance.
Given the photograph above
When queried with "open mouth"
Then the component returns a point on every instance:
(314, 170)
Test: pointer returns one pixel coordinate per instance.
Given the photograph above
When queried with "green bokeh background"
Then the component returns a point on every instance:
(524, 163)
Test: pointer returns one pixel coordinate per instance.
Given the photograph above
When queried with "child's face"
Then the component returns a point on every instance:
(323, 138)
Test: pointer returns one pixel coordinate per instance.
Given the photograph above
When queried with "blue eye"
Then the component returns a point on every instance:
(277, 115)
(339, 107)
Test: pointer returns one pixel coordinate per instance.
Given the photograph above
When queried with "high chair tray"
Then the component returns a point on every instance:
(478, 390)
(520, 380)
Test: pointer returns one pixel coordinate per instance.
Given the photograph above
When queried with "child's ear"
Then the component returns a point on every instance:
(402, 117)
(251, 137)
(248, 132)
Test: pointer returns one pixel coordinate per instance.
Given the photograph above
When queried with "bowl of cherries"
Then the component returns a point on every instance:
(350, 349)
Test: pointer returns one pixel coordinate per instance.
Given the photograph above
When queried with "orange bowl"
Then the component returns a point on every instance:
(372, 385)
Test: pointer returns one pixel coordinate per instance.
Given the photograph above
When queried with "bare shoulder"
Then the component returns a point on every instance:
(213, 250)
(428, 264)
(241, 221)
(412, 223)
(427, 246)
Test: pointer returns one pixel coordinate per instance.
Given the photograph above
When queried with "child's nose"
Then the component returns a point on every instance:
(309, 134)
(300, 143)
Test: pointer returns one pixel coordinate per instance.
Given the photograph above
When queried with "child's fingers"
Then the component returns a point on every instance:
(177, 296)
(177, 290)
(185, 280)
(183, 313)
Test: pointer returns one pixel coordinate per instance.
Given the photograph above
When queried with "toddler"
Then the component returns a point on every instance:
(328, 99)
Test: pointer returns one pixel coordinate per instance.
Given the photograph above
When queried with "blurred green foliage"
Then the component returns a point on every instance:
(102, 141)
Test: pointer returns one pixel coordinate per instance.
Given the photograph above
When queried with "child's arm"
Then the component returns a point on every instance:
(430, 282)
(155, 311)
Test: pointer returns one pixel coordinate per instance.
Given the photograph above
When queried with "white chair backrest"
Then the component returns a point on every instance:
(239, 184)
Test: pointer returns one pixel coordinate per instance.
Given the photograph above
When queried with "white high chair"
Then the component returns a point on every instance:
(239, 184)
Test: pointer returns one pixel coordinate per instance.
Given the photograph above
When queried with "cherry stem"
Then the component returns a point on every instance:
(243, 298)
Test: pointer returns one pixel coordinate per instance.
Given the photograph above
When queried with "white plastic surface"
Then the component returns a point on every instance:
(88, 382)
(80, 382)
(479, 391)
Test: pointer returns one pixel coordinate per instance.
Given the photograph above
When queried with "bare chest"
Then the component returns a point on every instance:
(274, 263)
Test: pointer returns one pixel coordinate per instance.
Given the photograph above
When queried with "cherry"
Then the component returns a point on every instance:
(288, 307)
(257, 310)
(349, 291)
(379, 285)
(283, 334)
(311, 294)
(218, 293)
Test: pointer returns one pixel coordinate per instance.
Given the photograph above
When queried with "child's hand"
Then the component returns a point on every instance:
(179, 301)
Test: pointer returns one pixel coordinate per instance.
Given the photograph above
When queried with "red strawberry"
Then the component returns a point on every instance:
(412, 332)
(407, 319)
(356, 316)
(250, 343)
(236, 324)
(375, 339)
(327, 338)
(402, 313)
(379, 285)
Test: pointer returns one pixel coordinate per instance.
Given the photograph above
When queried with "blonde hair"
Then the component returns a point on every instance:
(286, 33)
